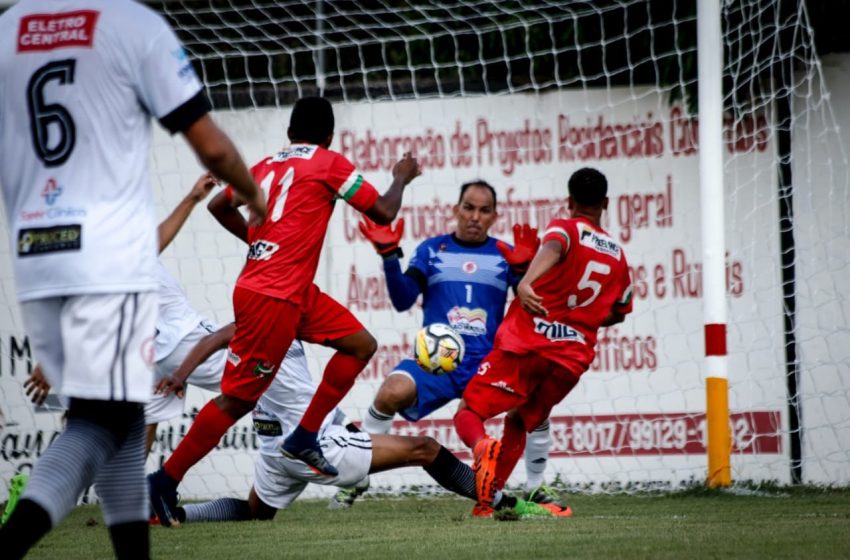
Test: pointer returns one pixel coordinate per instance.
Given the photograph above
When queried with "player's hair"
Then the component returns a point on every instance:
(312, 120)
(588, 187)
(477, 183)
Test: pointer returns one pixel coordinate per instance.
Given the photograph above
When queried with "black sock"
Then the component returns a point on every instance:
(452, 475)
(505, 502)
(25, 527)
(131, 541)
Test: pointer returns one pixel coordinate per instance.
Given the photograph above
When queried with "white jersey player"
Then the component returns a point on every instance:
(79, 83)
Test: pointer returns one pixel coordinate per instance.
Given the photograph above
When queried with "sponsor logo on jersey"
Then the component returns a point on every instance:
(267, 427)
(483, 368)
(598, 241)
(301, 151)
(468, 321)
(469, 267)
(186, 70)
(37, 241)
(56, 213)
(46, 32)
(503, 386)
(262, 250)
(51, 191)
(233, 357)
(264, 369)
(557, 331)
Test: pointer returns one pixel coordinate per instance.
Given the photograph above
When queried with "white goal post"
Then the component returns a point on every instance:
(522, 94)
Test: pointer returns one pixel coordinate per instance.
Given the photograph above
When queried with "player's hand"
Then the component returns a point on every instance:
(202, 187)
(384, 238)
(256, 209)
(407, 168)
(525, 247)
(529, 299)
(174, 384)
(37, 386)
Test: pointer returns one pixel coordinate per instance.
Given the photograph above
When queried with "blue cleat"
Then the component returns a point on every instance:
(162, 490)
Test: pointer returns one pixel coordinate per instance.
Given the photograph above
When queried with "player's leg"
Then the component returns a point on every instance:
(324, 321)
(498, 387)
(552, 389)
(397, 392)
(124, 501)
(265, 328)
(69, 335)
(537, 446)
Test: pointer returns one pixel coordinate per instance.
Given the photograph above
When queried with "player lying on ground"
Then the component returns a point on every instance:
(278, 479)
(578, 282)
(464, 278)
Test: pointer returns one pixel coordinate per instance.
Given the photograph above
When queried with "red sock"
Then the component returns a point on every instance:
(210, 424)
(337, 380)
(469, 427)
(513, 445)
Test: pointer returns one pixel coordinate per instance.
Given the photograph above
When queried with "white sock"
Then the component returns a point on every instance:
(376, 422)
(537, 445)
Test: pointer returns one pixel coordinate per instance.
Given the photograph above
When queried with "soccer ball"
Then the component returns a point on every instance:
(439, 349)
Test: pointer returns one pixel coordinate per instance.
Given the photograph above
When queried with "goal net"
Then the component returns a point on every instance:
(521, 94)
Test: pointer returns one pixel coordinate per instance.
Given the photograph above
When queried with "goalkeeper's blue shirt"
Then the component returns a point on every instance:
(462, 284)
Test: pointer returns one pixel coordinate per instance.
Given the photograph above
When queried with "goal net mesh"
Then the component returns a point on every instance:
(521, 94)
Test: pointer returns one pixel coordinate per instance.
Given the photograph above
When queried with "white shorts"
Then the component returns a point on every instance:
(95, 346)
(278, 480)
(207, 376)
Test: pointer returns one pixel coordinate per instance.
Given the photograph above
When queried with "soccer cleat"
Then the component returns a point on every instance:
(482, 511)
(162, 490)
(544, 495)
(16, 487)
(345, 498)
(486, 455)
(312, 457)
(530, 510)
(558, 510)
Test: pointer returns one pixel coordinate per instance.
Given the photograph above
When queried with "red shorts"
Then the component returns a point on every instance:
(529, 383)
(266, 327)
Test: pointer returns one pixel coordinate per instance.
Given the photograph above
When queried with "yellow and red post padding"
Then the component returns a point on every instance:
(717, 407)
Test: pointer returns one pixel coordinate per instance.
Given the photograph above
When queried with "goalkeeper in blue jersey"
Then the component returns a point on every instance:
(463, 278)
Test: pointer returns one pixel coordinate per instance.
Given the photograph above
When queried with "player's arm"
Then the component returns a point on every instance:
(225, 210)
(219, 155)
(205, 348)
(169, 227)
(550, 253)
(386, 207)
(623, 305)
(403, 288)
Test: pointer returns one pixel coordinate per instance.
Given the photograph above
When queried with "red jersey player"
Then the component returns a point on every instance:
(275, 299)
(577, 282)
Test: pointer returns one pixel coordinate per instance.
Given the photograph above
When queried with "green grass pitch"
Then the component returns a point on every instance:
(697, 524)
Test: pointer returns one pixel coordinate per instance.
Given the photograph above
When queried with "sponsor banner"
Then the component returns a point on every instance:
(627, 435)
(45, 32)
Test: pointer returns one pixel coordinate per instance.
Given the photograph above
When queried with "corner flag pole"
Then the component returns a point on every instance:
(710, 77)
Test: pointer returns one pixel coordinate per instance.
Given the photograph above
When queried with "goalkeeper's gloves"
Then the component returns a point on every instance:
(525, 247)
(384, 238)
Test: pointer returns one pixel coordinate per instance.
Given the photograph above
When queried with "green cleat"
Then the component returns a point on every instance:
(523, 510)
(346, 497)
(16, 487)
(545, 495)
